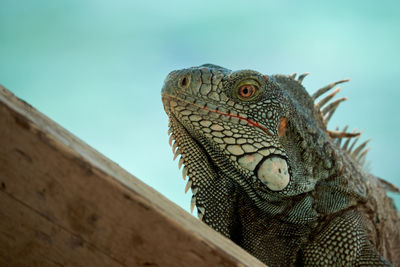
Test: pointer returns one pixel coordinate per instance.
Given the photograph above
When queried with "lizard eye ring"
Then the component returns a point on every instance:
(247, 91)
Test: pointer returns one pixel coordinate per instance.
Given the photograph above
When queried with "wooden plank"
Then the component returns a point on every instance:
(64, 204)
(27, 239)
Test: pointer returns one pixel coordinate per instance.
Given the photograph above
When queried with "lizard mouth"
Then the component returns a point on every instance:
(172, 101)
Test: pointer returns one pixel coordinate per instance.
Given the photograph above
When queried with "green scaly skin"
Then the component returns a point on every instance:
(266, 173)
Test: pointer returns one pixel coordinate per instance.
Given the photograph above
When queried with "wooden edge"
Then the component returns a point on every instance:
(62, 203)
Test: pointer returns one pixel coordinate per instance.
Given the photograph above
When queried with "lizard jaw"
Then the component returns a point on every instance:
(171, 100)
(271, 169)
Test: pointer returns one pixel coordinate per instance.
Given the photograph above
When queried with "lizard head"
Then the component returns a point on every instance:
(255, 129)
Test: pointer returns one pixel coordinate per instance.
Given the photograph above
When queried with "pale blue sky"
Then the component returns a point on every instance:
(97, 67)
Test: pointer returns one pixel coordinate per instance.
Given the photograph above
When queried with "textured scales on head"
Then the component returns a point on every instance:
(259, 156)
(246, 152)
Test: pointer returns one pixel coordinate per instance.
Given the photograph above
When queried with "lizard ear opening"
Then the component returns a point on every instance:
(282, 127)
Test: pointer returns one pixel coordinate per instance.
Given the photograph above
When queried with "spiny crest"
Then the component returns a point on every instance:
(300, 78)
(327, 109)
(176, 152)
(358, 153)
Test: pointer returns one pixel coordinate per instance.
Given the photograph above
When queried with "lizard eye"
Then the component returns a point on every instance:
(247, 91)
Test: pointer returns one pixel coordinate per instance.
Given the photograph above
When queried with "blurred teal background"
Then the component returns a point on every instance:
(97, 67)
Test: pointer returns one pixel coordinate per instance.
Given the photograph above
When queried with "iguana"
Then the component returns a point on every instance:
(266, 173)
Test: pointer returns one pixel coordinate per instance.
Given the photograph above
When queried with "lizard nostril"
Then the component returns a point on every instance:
(184, 81)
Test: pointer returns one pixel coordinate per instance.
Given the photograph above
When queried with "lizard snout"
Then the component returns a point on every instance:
(177, 82)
